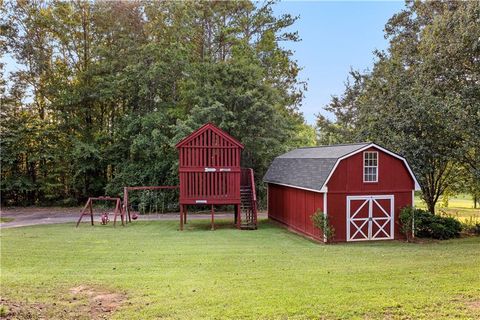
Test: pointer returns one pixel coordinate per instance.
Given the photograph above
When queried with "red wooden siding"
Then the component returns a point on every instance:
(209, 167)
(392, 175)
(293, 208)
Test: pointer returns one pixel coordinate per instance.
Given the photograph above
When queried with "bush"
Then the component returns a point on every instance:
(320, 220)
(471, 225)
(406, 221)
(427, 225)
(476, 229)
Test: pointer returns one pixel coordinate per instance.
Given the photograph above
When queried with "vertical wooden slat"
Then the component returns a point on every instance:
(189, 179)
(196, 183)
(214, 149)
(209, 144)
(195, 153)
(202, 152)
(221, 150)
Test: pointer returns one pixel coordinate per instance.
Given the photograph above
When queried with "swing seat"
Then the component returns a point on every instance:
(104, 218)
(135, 215)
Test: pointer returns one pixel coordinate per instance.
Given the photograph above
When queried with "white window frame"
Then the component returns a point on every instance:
(365, 166)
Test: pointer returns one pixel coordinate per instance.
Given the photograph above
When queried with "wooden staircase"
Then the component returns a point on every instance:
(248, 207)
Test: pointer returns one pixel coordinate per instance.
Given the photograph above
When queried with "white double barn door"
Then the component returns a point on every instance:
(370, 217)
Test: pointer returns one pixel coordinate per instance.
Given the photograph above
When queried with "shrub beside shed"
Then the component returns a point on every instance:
(360, 187)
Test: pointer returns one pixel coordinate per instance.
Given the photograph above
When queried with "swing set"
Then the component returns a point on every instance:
(88, 210)
(148, 202)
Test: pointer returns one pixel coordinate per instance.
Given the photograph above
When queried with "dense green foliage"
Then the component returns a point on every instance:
(106, 89)
(422, 97)
(406, 219)
(321, 221)
(228, 274)
(427, 225)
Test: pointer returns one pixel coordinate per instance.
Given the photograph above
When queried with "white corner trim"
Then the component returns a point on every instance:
(325, 212)
(413, 198)
(417, 185)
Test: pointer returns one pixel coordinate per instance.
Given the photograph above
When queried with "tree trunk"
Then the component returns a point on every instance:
(431, 206)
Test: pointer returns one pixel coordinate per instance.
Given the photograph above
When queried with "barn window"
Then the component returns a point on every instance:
(370, 166)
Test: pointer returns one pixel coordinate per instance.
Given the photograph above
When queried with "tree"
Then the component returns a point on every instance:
(418, 97)
(345, 110)
(106, 88)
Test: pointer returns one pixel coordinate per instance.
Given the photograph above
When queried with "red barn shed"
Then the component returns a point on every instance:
(210, 174)
(360, 187)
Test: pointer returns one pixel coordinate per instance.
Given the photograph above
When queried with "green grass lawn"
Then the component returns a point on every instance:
(6, 219)
(268, 273)
(459, 206)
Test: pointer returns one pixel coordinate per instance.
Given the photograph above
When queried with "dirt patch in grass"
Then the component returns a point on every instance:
(474, 305)
(101, 303)
(83, 302)
(20, 310)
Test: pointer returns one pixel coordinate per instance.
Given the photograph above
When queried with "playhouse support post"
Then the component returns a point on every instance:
(181, 217)
(185, 215)
(235, 215)
(213, 217)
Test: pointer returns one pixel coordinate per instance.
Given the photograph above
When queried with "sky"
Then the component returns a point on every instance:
(336, 37)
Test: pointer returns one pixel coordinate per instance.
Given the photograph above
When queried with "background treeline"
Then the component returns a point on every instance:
(106, 89)
(422, 97)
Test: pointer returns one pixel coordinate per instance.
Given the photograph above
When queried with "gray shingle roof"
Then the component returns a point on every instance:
(308, 167)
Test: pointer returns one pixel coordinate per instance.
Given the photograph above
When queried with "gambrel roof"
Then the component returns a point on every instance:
(311, 168)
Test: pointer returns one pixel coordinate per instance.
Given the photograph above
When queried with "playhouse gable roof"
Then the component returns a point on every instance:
(206, 127)
(311, 168)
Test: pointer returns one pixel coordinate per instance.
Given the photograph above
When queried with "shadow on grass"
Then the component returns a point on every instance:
(223, 224)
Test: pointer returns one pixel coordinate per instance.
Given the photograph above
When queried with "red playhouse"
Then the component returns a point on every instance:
(361, 188)
(210, 174)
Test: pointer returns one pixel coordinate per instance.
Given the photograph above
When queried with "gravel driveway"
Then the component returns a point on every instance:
(29, 216)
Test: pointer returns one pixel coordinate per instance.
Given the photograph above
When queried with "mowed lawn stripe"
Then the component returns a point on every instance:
(267, 273)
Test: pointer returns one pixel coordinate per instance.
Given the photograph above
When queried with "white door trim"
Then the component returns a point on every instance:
(380, 222)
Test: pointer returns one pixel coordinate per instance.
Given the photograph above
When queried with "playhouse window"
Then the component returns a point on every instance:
(370, 166)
